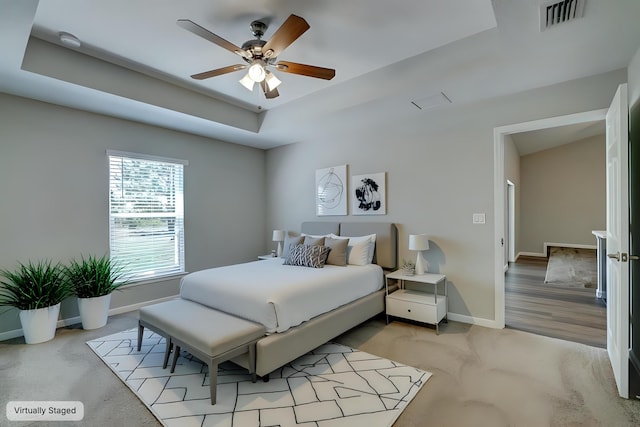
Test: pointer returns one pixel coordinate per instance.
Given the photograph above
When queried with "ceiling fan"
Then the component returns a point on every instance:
(259, 55)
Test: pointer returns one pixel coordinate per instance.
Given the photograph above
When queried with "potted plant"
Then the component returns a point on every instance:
(93, 280)
(37, 291)
(408, 268)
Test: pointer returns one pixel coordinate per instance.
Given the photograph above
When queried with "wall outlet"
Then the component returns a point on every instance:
(478, 218)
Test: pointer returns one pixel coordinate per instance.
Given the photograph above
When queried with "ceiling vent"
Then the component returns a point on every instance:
(431, 101)
(559, 12)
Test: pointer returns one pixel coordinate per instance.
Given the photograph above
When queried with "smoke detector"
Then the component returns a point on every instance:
(559, 12)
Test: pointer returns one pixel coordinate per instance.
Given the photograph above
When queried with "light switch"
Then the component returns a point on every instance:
(478, 218)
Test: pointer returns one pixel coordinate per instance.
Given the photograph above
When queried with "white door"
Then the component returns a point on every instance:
(618, 239)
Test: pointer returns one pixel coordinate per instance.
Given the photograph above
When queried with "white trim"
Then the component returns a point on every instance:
(566, 245)
(498, 189)
(487, 323)
(156, 279)
(546, 246)
(533, 254)
(75, 320)
(147, 157)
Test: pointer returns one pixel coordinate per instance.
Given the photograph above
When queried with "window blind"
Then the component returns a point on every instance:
(146, 215)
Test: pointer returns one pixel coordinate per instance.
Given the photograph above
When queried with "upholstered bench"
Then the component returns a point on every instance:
(210, 335)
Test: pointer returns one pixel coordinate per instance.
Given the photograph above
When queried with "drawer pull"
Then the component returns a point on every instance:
(409, 310)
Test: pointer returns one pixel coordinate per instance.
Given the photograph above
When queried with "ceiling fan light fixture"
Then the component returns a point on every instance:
(272, 81)
(247, 82)
(256, 72)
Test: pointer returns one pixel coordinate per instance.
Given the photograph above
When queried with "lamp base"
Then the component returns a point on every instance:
(420, 264)
(279, 249)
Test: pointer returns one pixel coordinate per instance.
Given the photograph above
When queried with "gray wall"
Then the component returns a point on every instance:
(54, 192)
(440, 171)
(563, 195)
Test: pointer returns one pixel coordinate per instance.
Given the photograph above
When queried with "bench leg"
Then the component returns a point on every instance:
(140, 332)
(167, 350)
(213, 379)
(176, 353)
(252, 362)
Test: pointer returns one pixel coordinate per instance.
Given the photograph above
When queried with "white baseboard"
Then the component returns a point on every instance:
(531, 254)
(487, 323)
(74, 320)
(547, 245)
(566, 245)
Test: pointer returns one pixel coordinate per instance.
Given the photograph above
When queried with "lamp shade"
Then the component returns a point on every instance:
(278, 235)
(418, 242)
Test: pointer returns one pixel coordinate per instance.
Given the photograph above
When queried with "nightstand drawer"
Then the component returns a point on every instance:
(421, 308)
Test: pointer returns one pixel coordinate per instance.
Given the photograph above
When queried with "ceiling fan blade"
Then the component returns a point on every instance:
(218, 72)
(288, 32)
(306, 70)
(208, 35)
(269, 94)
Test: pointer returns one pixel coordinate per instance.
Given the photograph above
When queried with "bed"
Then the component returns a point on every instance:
(296, 323)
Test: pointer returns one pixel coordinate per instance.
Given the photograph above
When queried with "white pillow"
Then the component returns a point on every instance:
(360, 249)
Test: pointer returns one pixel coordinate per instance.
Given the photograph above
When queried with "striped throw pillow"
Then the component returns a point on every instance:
(307, 256)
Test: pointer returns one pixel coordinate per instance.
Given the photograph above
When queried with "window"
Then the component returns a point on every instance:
(146, 215)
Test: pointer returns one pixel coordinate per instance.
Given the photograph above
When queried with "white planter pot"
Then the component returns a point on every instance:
(39, 325)
(94, 311)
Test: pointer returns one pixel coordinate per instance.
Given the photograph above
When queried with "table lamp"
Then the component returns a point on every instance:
(278, 236)
(419, 242)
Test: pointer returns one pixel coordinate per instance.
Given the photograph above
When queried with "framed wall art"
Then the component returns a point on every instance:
(368, 194)
(331, 191)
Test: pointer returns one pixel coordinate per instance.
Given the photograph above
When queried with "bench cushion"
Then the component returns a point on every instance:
(210, 331)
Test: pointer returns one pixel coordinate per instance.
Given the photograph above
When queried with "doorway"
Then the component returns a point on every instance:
(500, 193)
(560, 176)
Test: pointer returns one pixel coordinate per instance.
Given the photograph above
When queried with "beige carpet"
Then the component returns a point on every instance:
(572, 267)
(481, 377)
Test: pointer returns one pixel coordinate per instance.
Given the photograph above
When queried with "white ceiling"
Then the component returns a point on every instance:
(386, 55)
(353, 37)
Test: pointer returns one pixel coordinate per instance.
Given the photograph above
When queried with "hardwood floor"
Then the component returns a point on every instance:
(571, 314)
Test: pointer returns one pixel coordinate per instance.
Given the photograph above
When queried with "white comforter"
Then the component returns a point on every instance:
(280, 296)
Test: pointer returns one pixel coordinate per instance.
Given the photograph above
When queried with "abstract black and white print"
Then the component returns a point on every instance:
(369, 194)
(331, 191)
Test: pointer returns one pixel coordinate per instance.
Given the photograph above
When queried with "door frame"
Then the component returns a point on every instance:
(499, 184)
(511, 223)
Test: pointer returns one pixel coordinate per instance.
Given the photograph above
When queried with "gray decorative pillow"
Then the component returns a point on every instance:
(288, 242)
(318, 241)
(307, 256)
(337, 251)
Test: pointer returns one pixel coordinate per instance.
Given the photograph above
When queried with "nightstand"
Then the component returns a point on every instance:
(267, 256)
(422, 305)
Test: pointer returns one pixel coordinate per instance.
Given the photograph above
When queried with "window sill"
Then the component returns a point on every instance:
(155, 279)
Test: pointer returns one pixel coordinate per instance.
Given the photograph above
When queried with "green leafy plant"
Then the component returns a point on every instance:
(94, 276)
(34, 286)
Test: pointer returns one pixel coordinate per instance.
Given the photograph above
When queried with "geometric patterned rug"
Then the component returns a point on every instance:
(332, 386)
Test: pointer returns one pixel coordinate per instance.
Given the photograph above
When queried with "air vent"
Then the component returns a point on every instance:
(431, 101)
(554, 14)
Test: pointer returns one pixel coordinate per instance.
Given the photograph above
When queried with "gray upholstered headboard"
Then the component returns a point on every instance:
(386, 255)
(321, 227)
